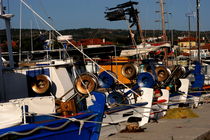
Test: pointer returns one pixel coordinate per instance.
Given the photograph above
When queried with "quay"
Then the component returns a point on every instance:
(171, 129)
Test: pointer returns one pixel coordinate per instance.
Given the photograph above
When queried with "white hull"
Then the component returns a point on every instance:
(120, 117)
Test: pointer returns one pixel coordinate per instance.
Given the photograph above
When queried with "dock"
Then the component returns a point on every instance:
(169, 129)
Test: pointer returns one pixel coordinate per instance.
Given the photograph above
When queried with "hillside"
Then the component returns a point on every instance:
(118, 36)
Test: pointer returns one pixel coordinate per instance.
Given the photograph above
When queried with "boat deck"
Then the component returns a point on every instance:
(171, 129)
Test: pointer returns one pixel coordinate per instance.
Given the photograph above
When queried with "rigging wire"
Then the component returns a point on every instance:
(49, 18)
(46, 13)
(37, 24)
(190, 5)
(8, 5)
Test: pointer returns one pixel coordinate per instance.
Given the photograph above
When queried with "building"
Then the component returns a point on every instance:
(186, 42)
(189, 41)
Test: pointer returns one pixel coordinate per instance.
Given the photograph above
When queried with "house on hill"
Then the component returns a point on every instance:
(188, 41)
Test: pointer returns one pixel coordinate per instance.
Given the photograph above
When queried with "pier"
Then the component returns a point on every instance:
(171, 129)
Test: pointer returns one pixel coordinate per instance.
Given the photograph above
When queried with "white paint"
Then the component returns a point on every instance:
(10, 114)
(40, 105)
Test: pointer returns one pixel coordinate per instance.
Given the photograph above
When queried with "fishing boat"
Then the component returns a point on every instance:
(124, 98)
(39, 100)
(45, 125)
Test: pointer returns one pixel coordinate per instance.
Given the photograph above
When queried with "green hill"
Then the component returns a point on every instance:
(118, 36)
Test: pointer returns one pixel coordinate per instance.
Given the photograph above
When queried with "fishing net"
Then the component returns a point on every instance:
(180, 113)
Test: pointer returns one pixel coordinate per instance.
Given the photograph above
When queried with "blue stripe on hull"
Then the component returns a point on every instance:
(33, 73)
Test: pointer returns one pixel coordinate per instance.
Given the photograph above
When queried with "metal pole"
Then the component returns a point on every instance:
(189, 29)
(1, 7)
(7, 18)
(172, 34)
(198, 28)
(116, 62)
(20, 33)
(9, 42)
(32, 47)
(2, 95)
(170, 26)
(164, 31)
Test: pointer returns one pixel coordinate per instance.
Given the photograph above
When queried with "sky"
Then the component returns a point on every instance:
(74, 14)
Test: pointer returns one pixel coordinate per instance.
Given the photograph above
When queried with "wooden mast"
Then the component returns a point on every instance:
(165, 60)
(163, 20)
(139, 28)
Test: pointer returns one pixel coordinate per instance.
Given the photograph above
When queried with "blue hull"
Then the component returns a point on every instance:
(54, 128)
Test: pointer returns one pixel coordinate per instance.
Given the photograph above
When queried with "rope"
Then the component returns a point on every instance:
(74, 45)
(183, 94)
(36, 129)
(53, 128)
(73, 119)
(80, 121)
(206, 91)
(135, 106)
(161, 110)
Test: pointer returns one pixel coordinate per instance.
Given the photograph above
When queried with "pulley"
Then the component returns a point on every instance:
(129, 71)
(41, 83)
(85, 83)
(145, 79)
(162, 73)
(106, 79)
